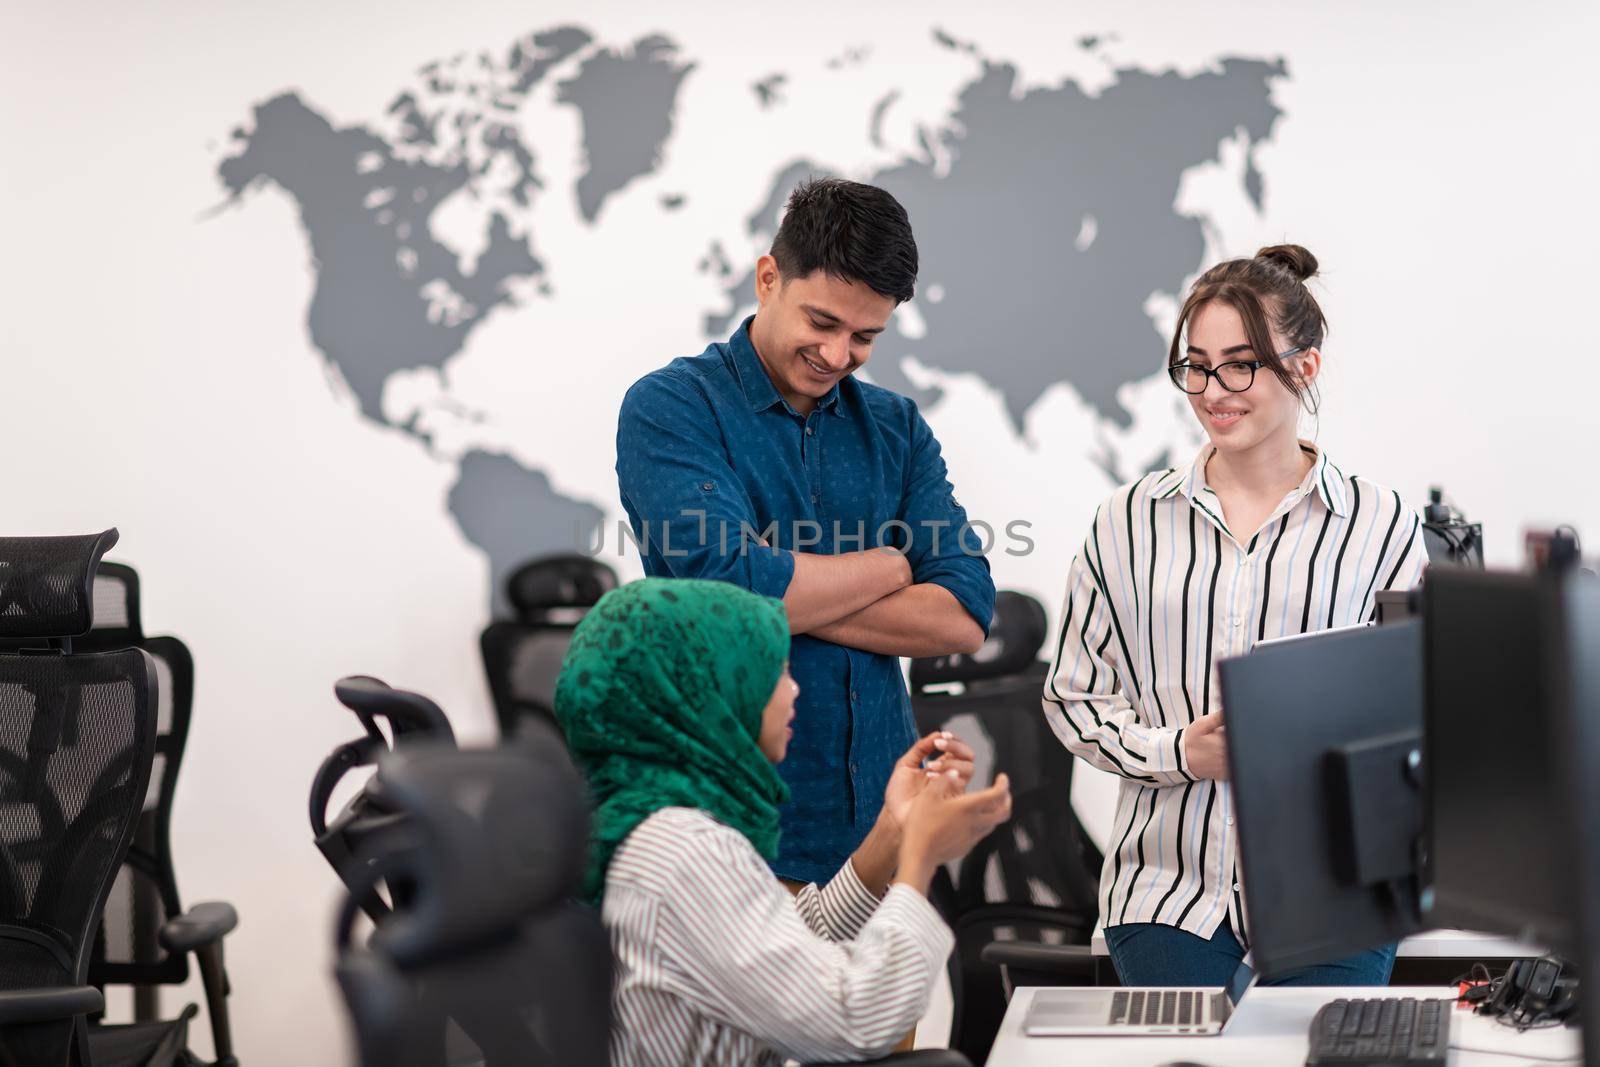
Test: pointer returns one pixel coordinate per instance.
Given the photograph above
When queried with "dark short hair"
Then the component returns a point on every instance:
(855, 232)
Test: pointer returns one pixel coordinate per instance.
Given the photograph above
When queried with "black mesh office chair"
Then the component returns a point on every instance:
(146, 936)
(486, 960)
(522, 656)
(1032, 882)
(77, 740)
(353, 836)
(490, 962)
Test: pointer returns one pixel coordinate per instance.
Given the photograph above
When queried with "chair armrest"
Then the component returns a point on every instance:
(927, 1057)
(1029, 955)
(198, 927)
(51, 1002)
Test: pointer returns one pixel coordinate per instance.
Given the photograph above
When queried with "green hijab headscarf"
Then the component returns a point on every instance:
(661, 696)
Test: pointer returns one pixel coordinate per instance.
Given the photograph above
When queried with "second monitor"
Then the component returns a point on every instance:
(1498, 816)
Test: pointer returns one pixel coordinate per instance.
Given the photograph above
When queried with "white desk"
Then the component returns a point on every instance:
(1270, 1030)
(1433, 944)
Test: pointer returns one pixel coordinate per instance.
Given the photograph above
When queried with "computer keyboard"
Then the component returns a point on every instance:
(1381, 1033)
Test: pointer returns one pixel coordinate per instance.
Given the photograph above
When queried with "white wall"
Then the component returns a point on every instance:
(157, 374)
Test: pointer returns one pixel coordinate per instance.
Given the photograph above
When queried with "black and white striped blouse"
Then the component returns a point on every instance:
(1160, 591)
(718, 964)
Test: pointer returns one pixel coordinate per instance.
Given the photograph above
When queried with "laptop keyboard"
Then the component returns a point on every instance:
(1159, 1007)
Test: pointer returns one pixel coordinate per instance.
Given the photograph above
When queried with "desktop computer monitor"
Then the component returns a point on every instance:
(1498, 851)
(1323, 739)
(1577, 656)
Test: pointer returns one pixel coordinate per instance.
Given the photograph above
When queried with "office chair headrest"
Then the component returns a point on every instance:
(408, 713)
(116, 605)
(558, 582)
(501, 834)
(47, 584)
(1015, 636)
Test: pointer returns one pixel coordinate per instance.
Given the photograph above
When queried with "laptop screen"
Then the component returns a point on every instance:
(1241, 981)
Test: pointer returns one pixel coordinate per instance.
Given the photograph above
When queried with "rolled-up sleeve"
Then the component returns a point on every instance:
(688, 508)
(944, 548)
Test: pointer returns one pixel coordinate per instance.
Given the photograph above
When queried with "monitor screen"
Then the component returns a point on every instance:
(1498, 854)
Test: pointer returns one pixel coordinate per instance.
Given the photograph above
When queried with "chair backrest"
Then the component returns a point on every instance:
(1041, 857)
(1036, 877)
(1016, 634)
(393, 719)
(145, 894)
(522, 656)
(77, 739)
(490, 961)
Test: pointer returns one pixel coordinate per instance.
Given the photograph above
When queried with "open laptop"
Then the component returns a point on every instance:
(1136, 1012)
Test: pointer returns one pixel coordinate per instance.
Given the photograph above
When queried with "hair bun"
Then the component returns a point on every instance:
(1295, 259)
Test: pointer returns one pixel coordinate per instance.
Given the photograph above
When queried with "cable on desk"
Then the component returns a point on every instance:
(1577, 1060)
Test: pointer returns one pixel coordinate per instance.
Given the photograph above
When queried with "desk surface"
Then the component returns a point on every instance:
(1432, 944)
(1269, 1030)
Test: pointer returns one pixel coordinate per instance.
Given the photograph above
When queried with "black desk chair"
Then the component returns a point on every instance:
(489, 962)
(350, 838)
(522, 656)
(77, 740)
(146, 936)
(1032, 884)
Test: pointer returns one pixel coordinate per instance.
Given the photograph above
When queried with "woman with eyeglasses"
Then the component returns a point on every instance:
(1261, 536)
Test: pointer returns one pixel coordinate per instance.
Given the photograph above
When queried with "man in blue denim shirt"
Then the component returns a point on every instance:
(762, 462)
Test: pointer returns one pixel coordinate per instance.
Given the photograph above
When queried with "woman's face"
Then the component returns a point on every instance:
(775, 720)
(1239, 422)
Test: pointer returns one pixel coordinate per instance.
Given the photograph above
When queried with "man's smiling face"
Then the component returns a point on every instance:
(813, 332)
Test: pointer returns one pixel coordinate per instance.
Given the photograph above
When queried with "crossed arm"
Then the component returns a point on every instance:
(676, 478)
(867, 600)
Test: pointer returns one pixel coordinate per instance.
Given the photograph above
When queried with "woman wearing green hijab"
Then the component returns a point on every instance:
(676, 700)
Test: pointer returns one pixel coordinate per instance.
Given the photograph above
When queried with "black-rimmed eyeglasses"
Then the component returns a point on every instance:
(1235, 376)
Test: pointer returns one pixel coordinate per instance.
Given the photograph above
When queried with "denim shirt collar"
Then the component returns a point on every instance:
(757, 384)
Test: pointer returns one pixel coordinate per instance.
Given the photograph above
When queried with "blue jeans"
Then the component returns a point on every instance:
(1150, 954)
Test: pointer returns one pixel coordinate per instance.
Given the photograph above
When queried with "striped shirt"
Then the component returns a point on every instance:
(1161, 590)
(718, 964)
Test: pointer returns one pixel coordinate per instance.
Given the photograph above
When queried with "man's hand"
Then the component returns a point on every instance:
(936, 754)
(943, 824)
(1205, 747)
(898, 565)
